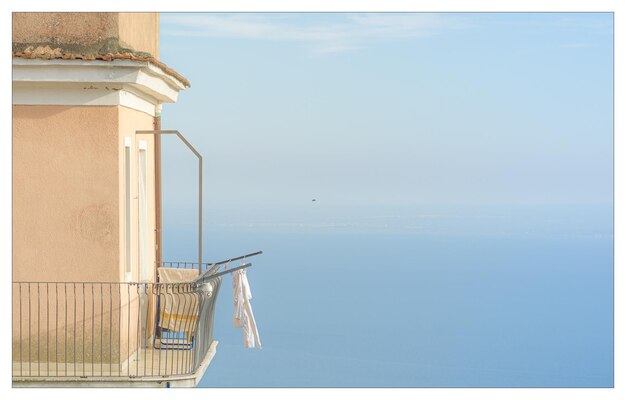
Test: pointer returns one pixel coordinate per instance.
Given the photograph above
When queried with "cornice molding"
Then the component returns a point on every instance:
(134, 84)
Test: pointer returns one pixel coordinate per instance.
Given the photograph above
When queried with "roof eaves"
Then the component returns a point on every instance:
(47, 53)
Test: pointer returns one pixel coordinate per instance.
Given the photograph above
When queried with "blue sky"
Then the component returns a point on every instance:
(468, 155)
(392, 109)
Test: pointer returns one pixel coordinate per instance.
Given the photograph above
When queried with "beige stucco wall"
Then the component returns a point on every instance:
(68, 197)
(65, 213)
(77, 28)
(87, 33)
(140, 31)
(68, 202)
(65, 193)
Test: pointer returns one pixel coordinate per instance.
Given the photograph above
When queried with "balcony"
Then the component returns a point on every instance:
(116, 334)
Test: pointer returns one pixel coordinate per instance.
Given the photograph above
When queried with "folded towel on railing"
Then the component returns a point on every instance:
(177, 275)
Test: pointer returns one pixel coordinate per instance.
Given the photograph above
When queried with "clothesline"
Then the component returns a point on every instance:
(210, 272)
(206, 275)
(256, 253)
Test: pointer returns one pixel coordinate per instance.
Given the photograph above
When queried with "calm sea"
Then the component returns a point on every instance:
(415, 297)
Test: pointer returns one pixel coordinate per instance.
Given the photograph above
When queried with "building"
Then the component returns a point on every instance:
(87, 305)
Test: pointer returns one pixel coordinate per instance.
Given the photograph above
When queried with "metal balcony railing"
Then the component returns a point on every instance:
(204, 266)
(96, 329)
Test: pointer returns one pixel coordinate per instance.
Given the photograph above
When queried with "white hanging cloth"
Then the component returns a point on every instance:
(242, 316)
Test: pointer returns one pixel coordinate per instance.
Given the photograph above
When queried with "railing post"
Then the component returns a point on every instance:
(157, 133)
(200, 215)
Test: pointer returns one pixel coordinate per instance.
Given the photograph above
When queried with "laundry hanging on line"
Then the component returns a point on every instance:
(242, 316)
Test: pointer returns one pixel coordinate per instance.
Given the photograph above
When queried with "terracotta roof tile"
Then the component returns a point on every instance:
(47, 53)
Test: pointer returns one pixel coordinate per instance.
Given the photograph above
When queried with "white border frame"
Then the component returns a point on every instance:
(619, 6)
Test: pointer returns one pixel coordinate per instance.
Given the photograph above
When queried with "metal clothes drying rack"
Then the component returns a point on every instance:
(178, 340)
